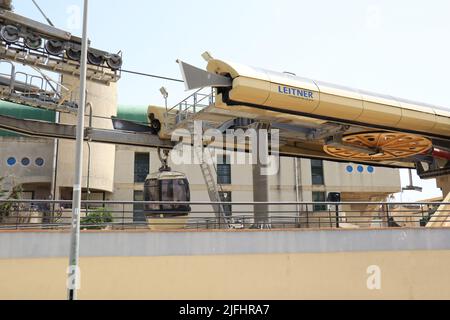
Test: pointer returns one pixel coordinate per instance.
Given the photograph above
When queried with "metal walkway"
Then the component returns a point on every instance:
(198, 106)
(38, 91)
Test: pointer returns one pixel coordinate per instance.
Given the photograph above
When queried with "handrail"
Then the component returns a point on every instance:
(38, 214)
(235, 203)
(184, 100)
(196, 102)
(31, 89)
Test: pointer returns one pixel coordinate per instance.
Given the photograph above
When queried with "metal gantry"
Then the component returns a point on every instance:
(45, 48)
(39, 91)
(33, 43)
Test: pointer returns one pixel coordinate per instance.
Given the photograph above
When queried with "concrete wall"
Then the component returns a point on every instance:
(104, 104)
(32, 149)
(409, 264)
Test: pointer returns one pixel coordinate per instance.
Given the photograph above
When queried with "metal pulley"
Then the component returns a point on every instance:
(33, 41)
(114, 61)
(10, 33)
(95, 58)
(74, 52)
(378, 146)
(54, 47)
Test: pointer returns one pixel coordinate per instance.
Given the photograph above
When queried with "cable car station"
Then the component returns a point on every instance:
(260, 153)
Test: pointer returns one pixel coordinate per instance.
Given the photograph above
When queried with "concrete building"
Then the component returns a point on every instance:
(118, 172)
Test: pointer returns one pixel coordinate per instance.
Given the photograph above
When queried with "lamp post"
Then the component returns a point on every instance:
(165, 94)
(73, 269)
(411, 186)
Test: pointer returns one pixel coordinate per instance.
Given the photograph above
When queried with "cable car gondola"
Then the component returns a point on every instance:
(170, 186)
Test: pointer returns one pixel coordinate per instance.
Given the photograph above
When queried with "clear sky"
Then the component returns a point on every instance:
(394, 47)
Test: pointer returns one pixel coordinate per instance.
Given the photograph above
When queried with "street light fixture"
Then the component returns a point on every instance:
(411, 186)
(165, 94)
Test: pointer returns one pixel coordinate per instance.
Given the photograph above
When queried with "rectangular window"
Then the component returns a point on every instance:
(317, 172)
(225, 196)
(319, 197)
(223, 169)
(27, 195)
(138, 209)
(141, 166)
(94, 196)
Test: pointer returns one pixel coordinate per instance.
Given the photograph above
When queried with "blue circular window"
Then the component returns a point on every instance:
(25, 161)
(39, 162)
(360, 169)
(349, 169)
(11, 161)
(370, 169)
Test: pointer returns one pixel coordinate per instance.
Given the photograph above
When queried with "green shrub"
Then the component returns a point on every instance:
(14, 194)
(96, 219)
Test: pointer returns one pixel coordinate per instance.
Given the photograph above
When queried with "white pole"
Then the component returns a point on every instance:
(73, 270)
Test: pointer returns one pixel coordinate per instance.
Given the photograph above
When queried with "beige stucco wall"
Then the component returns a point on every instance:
(32, 149)
(355, 186)
(404, 275)
(282, 184)
(104, 104)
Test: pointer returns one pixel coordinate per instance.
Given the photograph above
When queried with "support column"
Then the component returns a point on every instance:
(261, 179)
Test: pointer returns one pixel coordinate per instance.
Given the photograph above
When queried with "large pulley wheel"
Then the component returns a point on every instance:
(380, 146)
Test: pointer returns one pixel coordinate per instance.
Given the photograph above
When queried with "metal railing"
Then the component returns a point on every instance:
(121, 215)
(192, 104)
(35, 90)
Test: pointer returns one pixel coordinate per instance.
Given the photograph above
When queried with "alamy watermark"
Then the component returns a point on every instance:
(74, 17)
(252, 147)
(373, 281)
(73, 281)
(373, 17)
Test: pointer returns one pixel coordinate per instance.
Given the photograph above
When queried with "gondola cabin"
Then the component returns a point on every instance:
(170, 186)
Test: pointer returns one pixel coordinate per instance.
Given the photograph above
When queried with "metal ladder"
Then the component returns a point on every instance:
(213, 188)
